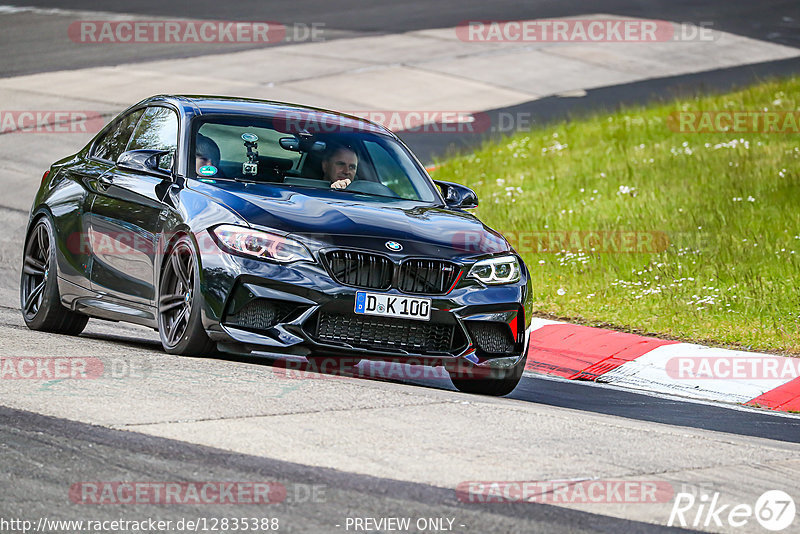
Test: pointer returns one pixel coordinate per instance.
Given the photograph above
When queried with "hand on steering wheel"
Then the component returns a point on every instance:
(340, 184)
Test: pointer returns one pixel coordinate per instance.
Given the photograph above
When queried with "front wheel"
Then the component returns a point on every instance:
(40, 301)
(179, 301)
(468, 378)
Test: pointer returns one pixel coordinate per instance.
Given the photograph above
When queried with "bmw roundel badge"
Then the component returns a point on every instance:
(394, 246)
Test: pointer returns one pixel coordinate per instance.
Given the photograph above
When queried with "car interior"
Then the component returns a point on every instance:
(296, 159)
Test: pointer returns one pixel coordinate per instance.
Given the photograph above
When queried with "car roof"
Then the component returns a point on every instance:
(227, 105)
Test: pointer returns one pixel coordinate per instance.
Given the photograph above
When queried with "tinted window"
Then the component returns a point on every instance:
(232, 148)
(294, 153)
(157, 130)
(113, 143)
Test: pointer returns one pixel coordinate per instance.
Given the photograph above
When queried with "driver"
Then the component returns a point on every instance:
(206, 153)
(339, 166)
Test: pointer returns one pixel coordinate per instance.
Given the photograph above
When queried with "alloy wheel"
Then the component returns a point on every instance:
(177, 293)
(35, 270)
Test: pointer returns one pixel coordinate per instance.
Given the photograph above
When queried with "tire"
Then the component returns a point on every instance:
(179, 302)
(481, 381)
(40, 301)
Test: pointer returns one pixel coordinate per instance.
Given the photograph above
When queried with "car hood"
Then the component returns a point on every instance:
(323, 218)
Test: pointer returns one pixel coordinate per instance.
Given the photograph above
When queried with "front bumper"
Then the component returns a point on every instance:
(258, 306)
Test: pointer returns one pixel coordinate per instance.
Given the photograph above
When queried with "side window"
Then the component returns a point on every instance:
(113, 143)
(157, 130)
(389, 172)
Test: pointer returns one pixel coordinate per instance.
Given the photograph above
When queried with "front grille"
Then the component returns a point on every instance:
(427, 276)
(260, 314)
(373, 271)
(385, 333)
(491, 337)
(360, 269)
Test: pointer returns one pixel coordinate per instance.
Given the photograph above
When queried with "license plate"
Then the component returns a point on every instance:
(393, 306)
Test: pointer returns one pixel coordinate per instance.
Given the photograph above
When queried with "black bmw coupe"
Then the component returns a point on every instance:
(247, 226)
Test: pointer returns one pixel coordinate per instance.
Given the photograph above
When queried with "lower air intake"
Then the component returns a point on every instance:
(386, 333)
(491, 337)
(260, 314)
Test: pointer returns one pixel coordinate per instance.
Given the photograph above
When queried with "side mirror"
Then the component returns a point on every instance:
(457, 196)
(147, 161)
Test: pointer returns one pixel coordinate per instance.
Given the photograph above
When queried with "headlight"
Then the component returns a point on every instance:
(260, 244)
(495, 271)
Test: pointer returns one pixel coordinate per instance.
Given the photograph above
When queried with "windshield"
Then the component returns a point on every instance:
(324, 155)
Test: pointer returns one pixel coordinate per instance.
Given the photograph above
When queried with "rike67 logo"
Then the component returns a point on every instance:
(774, 510)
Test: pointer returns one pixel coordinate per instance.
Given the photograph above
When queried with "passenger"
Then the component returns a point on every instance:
(206, 153)
(339, 166)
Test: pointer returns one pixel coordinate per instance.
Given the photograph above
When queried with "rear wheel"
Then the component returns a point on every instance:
(38, 290)
(468, 378)
(179, 301)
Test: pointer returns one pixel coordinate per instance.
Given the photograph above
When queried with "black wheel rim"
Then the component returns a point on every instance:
(177, 294)
(35, 270)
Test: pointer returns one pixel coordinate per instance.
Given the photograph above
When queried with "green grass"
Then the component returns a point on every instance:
(729, 205)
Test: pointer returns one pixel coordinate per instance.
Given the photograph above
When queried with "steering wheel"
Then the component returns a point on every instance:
(372, 188)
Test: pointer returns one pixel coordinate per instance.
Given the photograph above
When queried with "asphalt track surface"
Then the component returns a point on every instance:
(93, 453)
(37, 38)
(432, 148)
(42, 35)
(44, 456)
(41, 455)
